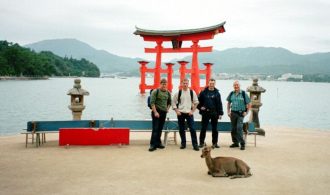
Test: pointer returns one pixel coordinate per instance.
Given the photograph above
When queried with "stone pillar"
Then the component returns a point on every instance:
(77, 99)
(255, 95)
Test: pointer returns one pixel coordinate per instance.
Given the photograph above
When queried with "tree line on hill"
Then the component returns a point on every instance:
(19, 61)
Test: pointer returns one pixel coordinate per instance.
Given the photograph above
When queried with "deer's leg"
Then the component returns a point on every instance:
(220, 173)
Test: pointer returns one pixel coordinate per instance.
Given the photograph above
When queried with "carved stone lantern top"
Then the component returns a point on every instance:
(77, 90)
(255, 88)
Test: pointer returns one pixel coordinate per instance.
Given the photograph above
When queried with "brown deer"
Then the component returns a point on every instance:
(225, 166)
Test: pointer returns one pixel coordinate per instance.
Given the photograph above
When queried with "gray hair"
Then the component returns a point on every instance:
(236, 81)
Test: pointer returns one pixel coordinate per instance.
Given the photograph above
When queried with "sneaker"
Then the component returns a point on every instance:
(161, 146)
(242, 147)
(196, 148)
(234, 146)
(152, 148)
(215, 146)
(182, 147)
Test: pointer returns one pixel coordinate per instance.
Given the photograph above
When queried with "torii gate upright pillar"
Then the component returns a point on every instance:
(143, 70)
(195, 84)
(183, 71)
(158, 64)
(208, 72)
(169, 76)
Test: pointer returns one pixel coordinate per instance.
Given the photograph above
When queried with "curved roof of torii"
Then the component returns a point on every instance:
(142, 32)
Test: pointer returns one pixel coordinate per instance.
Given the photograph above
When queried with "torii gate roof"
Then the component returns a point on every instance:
(219, 28)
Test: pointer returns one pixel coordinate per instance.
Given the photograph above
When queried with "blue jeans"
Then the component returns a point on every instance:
(190, 122)
(237, 128)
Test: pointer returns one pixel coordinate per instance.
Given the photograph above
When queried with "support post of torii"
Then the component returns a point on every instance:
(183, 71)
(169, 76)
(208, 72)
(158, 64)
(195, 84)
(143, 69)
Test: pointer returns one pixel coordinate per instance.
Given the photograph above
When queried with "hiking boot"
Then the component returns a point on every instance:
(234, 146)
(182, 147)
(152, 148)
(196, 148)
(215, 146)
(161, 146)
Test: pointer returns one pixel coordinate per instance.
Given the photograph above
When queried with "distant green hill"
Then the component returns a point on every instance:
(106, 61)
(19, 61)
(266, 60)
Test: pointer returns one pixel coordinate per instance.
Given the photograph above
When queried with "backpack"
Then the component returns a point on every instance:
(149, 97)
(243, 94)
(179, 97)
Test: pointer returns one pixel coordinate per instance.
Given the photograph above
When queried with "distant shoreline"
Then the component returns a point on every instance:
(23, 78)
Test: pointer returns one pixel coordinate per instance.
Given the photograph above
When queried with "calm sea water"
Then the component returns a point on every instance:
(291, 104)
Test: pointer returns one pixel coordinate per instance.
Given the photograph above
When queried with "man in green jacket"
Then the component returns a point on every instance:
(160, 102)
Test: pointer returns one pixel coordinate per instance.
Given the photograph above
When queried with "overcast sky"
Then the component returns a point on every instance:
(302, 26)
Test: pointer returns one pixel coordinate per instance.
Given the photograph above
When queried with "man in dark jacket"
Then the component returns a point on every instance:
(210, 107)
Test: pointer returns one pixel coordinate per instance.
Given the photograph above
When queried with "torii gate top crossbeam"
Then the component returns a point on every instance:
(178, 36)
(219, 28)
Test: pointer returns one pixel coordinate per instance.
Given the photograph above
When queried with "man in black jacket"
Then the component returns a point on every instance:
(210, 107)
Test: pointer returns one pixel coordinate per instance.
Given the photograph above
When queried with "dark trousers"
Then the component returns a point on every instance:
(190, 122)
(237, 128)
(214, 122)
(157, 128)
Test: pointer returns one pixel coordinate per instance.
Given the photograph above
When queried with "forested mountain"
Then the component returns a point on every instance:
(106, 61)
(265, 60)
(19, 61)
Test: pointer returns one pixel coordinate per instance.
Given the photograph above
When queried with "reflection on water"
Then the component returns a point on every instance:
(284, 103)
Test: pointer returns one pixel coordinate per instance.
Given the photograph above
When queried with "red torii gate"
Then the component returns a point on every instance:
(177, 37)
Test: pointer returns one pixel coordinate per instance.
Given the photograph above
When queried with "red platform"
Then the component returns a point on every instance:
(93, 136)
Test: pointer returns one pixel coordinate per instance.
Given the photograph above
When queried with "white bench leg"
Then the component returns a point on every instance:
(26, 139)
(165, 138)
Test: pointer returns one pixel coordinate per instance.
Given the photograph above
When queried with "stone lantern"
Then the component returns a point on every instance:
(77, 99)
(255, 95)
